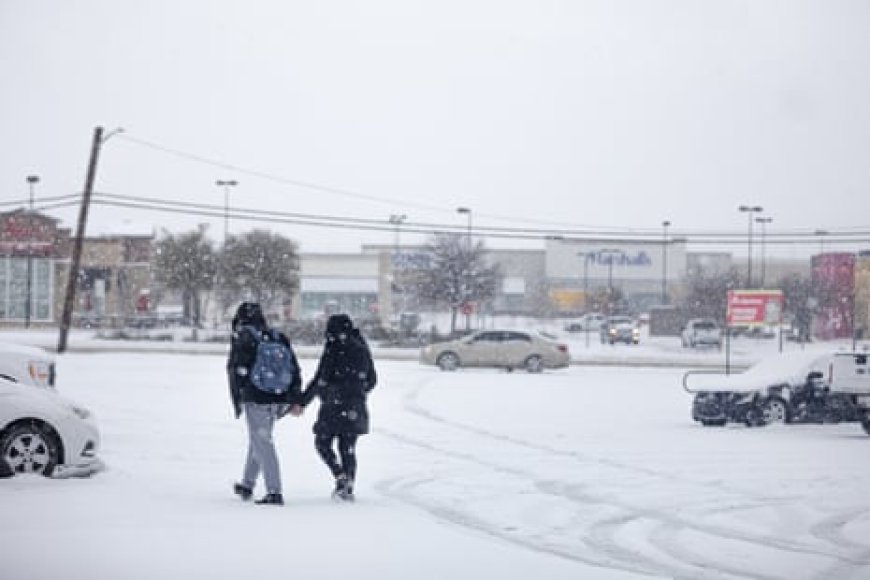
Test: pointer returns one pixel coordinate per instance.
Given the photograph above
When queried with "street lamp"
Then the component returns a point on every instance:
(821, 234)
(610, 252)
(396, 220)
(763, 221)
(32, 180)
(750, 209)
(467, 211)
(665, 225)
(585, 256)
(226, 184)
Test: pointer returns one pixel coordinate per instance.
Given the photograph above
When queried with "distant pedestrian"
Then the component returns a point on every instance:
(344, 378)
(264, 386)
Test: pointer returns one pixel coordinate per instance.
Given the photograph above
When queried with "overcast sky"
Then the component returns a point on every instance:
(604, 114)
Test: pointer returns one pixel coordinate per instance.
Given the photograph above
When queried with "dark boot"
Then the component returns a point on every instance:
(343, 489)
(271, 499)
(242, 491)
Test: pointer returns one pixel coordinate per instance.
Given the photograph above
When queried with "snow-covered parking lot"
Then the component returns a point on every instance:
(580, 473)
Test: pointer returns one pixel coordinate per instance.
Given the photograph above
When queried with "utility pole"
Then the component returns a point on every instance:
(72, 279)
(32, 180)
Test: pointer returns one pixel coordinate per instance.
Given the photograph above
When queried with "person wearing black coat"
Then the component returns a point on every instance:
(260, 408)
(344, 378)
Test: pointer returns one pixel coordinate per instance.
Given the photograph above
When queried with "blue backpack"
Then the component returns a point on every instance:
(273, 370)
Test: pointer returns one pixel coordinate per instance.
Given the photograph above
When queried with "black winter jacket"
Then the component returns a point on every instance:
(345, 376)
(243, 353)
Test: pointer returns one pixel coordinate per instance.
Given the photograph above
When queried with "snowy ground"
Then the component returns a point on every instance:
(587, 472)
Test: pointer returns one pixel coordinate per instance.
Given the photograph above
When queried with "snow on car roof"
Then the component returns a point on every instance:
(790, 367)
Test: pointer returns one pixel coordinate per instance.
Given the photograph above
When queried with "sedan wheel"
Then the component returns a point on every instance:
(776, 411)
(29, 449)
(534, 364)
(448, 361)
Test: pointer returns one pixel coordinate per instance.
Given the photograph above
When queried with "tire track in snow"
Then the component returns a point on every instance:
(832, 530)
(602, 534)
(403, 490)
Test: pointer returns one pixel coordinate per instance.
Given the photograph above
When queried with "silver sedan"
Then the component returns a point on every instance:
(498, 348)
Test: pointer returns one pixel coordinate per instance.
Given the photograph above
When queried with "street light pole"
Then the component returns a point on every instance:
(467, 211)
(396, 220)
(763, 221)
(821, 234)
(226, 184)
(610, 252)
(665, 225)
(749, 210)
(585, 256)
(32, 180)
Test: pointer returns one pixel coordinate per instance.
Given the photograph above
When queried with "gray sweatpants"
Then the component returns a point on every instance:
(261, 449)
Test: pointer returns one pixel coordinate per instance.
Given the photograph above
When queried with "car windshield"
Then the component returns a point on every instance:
(621, 320)
(706, 325)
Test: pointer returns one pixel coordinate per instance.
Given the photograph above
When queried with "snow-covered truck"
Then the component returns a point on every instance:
(797, 387)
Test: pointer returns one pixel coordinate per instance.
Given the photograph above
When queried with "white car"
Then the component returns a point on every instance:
(508, 349)
(588, 322)
(40, 431)
(26, 364)
(620, 329)
(701, 331)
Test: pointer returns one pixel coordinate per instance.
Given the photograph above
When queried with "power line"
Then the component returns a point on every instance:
(796, 237)
(277, 178)
(25, 202)
(366, 224)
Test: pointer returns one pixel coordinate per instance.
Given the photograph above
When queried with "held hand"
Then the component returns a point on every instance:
(296, 410)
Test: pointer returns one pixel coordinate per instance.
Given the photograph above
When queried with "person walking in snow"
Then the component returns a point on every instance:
(261, 408)
(344, 378)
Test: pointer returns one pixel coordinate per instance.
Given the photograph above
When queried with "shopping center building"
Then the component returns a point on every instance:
(116, 281)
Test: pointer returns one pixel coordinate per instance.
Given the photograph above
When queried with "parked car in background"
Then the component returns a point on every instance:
(591, 321)
(701, 332)
(27, 364)
(42, 433)
(508, 349)
(620, 329)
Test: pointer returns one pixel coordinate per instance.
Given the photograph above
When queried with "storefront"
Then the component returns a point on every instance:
(114, 276)
(30, 247)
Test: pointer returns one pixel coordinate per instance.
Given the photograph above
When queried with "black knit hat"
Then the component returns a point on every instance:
(339, 324)
(249, 313)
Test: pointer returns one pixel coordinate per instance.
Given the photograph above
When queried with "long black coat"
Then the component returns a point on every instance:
(345, 376)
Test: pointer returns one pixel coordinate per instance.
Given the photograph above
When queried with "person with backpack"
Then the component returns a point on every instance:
(265, 383)
(344, 378)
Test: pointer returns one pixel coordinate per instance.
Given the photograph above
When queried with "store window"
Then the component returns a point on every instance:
(14, 290)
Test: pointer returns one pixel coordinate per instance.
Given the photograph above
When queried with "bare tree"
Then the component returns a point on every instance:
(261, 266)
(708, 294)
(186, 262)
(458, 276)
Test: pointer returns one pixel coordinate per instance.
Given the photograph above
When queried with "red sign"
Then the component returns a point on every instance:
(466, 308)
(754, 307)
